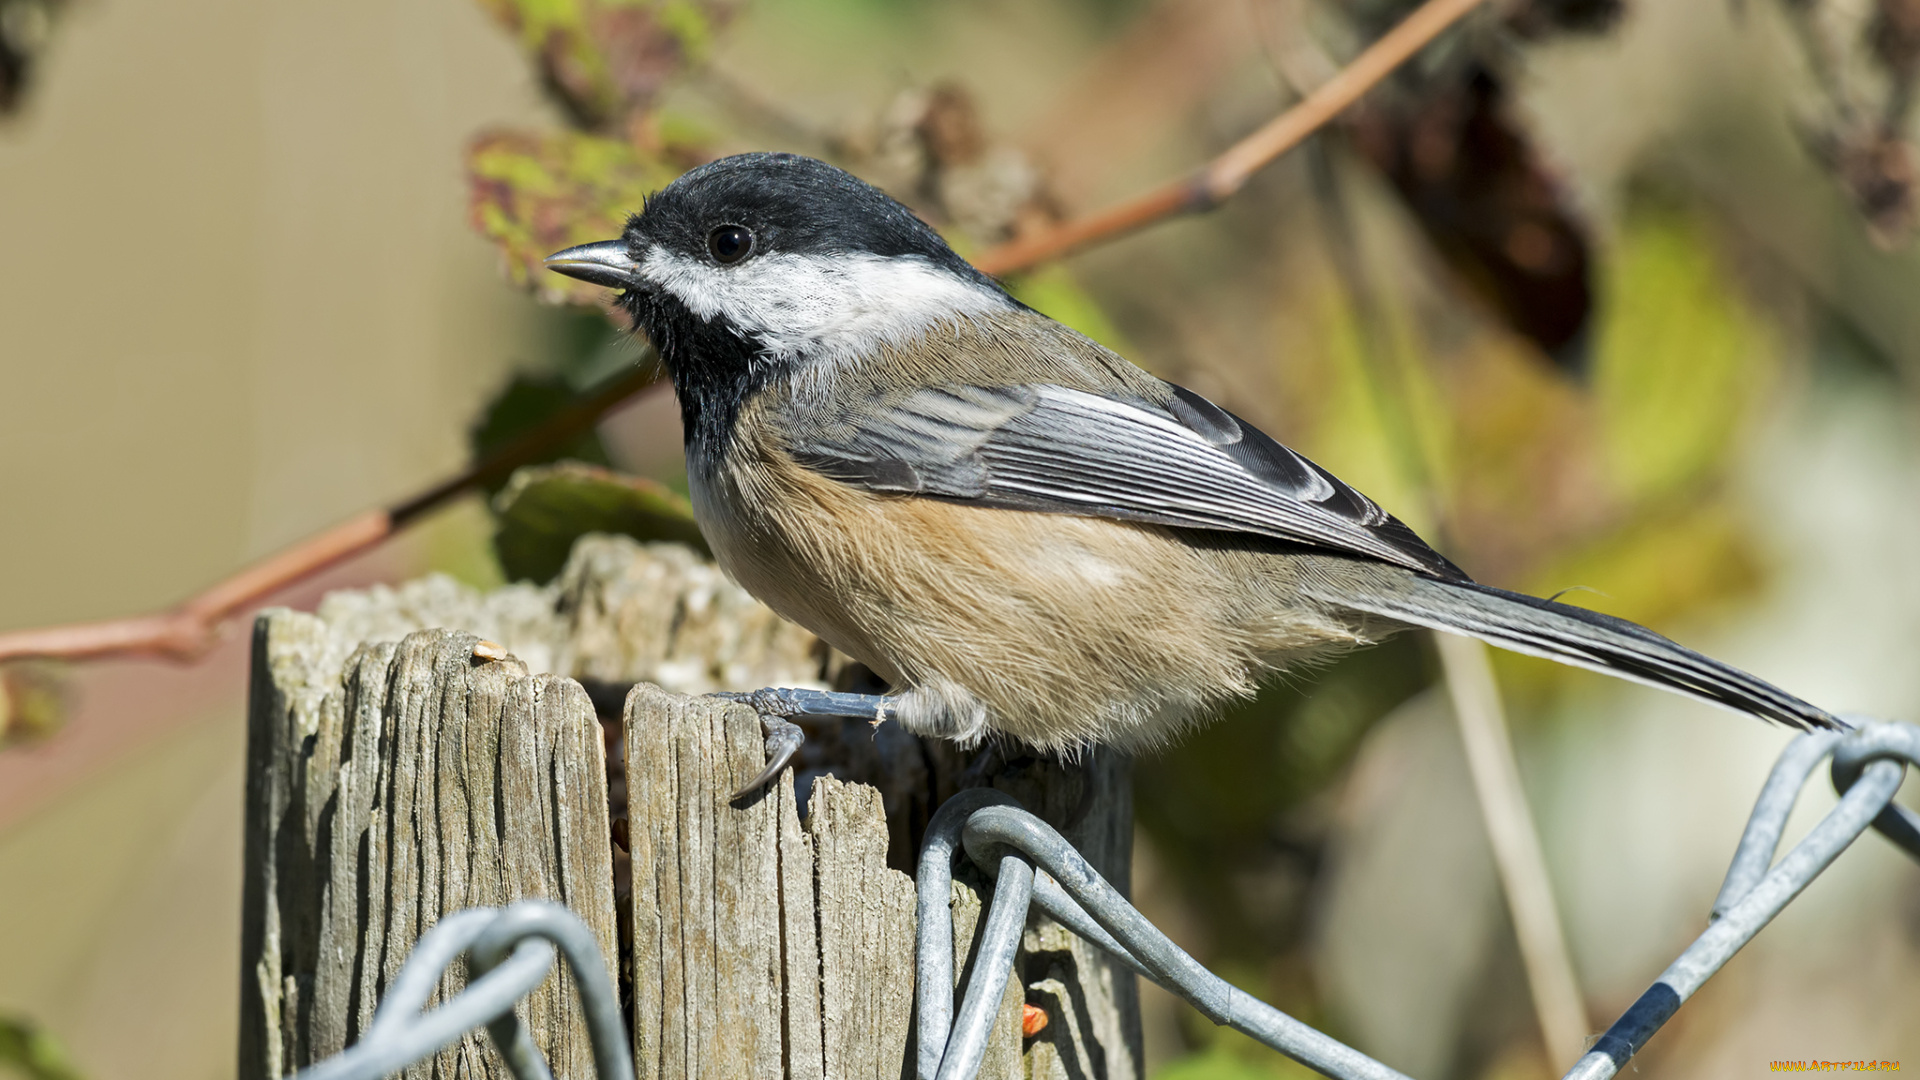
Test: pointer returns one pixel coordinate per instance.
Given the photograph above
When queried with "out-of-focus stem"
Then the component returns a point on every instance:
(1220, 178)
(1516, 848)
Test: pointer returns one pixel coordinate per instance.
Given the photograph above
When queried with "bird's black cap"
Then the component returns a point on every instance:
(791, 204)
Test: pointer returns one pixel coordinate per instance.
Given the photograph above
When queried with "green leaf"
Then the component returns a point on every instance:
(603, 58)
(535, 194)
(1681, 358)
(544, 509)
(32, 1053)
(525, 404)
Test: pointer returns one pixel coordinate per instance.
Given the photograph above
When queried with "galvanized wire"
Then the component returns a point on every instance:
(1868, 766)
(933, 995)
(1761, 839)
(999, 836)
(509, 954)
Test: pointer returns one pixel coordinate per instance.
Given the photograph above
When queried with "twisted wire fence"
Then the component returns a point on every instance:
(509, 953)
(510, 950)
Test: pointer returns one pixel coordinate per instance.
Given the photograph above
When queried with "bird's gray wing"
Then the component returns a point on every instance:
(1183, 462)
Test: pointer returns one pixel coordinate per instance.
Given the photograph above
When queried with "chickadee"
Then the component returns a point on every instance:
(1023, 533)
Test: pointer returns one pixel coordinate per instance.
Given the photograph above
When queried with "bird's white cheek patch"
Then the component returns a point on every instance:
(824, 307)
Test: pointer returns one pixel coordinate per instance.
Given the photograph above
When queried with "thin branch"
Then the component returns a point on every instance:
(1220, 178)
(186, 632)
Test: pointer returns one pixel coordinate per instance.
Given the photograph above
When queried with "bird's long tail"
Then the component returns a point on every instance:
(1570, 635)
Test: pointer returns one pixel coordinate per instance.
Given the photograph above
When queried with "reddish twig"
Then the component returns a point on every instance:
(1220, 178)
(188, 631)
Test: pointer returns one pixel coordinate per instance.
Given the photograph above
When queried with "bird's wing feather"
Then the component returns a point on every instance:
(1183, 462)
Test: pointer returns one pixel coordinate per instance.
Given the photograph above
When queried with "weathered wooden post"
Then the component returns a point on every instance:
(400, 769)
(386, 789)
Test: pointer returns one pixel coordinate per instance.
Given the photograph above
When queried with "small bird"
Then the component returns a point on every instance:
(1023, 533)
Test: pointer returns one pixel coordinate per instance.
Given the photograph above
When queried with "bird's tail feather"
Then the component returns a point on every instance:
(1582, 638)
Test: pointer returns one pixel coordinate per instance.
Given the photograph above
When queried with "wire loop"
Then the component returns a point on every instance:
(509, 954)
(1001, 838)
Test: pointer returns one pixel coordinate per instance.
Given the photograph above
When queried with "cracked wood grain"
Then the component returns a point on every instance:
(409, 781)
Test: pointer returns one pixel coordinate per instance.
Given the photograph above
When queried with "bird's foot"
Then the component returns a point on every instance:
(784, 738)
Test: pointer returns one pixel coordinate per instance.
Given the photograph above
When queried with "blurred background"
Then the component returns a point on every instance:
(1607, 295)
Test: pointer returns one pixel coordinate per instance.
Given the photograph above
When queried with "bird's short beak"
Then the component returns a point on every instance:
(605, 263)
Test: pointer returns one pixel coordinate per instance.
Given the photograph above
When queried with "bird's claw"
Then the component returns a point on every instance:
(777, 705)
(784, 737)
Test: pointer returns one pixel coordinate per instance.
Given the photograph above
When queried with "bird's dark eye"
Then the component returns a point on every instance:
(730, 243)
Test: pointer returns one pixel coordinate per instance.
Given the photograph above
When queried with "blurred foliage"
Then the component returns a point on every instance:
(33, 701)
(458, 542)
(1221, 1062)
(523, 405)
(1865, 63)
(543, 510)
(1485, 198)
(604, 58)
(25, 28)
(1223, 785)
(1682, 358)
(535, 194)
(30, 1053)
(1444, 133)
(607, 62)
(1545, 486)
(1683, 367)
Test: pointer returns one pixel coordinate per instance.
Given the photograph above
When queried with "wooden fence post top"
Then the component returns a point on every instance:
(400, 770)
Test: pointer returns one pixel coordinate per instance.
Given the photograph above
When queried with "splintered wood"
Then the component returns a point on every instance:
(413, 780)
(761, 947)
(766, 946)
(400, 770)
